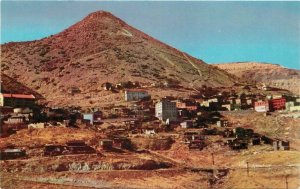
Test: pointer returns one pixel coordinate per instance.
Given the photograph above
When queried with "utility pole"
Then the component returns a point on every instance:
(286, 182)
(247, 168)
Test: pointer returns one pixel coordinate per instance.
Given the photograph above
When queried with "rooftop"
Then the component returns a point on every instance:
(24, 96)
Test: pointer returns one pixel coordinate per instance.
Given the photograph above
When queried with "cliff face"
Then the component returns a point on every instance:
(271, 74)
(101, 48)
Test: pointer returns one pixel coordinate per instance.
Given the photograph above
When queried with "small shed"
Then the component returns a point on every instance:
(187, 124)
(106, 144)
(222, 123)
(12, 153)
(150, 131)
(281, 145)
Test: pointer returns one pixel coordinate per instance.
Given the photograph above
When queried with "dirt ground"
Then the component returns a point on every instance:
(110, 179)
(165, 168)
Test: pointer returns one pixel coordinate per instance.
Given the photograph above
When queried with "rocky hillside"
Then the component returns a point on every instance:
(10, 85)
(271, 74)
(97, 49)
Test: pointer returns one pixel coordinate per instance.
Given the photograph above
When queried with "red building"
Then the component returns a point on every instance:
(277, 104)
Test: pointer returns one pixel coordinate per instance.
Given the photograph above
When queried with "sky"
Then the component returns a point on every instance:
(215, 32)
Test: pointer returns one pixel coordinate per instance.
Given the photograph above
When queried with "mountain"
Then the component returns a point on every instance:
(102, 48)
(272, 75)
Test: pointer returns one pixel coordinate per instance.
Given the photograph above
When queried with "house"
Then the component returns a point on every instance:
(187, 124)
(107, 86)
(89, 117)
(288, 105)
(36, 125)
(212, 104)
(79, 147)
(227, 107)
(122, 143)
(12, 153)
(26, 112)
(106, 144)
(295, 108)
(238, 101)
(277, 104)
(6, 110)
(166, 110)
(238, 144)
(121, 111)
(222, 123)
(281, 144)
(15, 120)
(149, 131)
(191, 107)
(53, 150)
(261, 106)
(249, 101)
(180, 105)
(192, 135)
(135, 94)
(17, 100)
(131, 124)
(93, 118)
(256, 139)
(197, 144)
(74, 90)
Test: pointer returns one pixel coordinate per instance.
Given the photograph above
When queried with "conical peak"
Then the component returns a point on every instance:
(101, 17)
(100, 14)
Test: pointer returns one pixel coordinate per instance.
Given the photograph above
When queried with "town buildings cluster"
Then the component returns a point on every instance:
(143, 115)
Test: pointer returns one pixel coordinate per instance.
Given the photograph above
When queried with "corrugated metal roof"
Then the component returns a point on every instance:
(24, 96)
(136, 90)
(12, 150)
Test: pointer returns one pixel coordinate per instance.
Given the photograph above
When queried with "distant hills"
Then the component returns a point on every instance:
(271, 74)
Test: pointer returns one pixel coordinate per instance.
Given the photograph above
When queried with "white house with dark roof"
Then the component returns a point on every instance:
(135, 94)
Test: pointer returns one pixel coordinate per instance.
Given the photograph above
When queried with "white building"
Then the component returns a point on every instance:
(261, 106)
(131, 95)
(166, 110)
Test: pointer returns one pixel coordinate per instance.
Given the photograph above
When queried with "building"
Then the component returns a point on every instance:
(107, 86)
(187, 106)
(277, 104)
(17, 100)
(295, 108)
(187, 124)
(261, 106)
(166, 110)
(228, 107)
(106, 144)
(131, 95)
(149, 131)
(15, 120)
(12, 153)
(281, 145)
(94, 117)
(222, 123)
(288, 105)
(180, 105)
(36, 125)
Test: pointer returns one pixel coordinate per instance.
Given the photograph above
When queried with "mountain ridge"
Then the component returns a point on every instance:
(273, 75)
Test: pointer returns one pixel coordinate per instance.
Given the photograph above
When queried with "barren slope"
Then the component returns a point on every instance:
(272, 74)
(10, 85)
(97, 49)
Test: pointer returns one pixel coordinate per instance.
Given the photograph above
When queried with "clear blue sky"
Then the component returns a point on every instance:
(212, 31)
